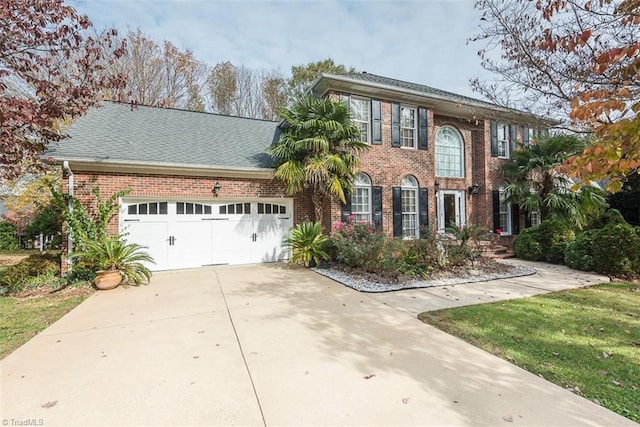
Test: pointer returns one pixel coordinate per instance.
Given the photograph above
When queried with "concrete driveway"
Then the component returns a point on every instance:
(267, 345)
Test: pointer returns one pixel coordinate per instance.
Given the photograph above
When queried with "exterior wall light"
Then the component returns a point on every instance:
(473, 190)
(216, 188)
(436, 187)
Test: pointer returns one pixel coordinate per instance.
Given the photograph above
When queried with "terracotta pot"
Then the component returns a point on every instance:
(106, 280)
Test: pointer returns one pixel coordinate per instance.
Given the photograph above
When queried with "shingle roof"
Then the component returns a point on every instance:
(152, 135)
(415, 87)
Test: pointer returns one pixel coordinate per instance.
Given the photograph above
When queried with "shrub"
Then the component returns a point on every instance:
(358, 244)
(545, 242)
(307, 243)
(579, 253)
(554, 238)
(616, 250)
(610, 216)
(527, 245)
(8, 238)
(18, 275)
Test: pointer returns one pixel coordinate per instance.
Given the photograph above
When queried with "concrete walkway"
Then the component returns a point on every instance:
(267, 345)
(549, 278)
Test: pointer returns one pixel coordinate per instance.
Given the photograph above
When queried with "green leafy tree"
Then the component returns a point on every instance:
(536, 185)
(318, 150)
(303, 75)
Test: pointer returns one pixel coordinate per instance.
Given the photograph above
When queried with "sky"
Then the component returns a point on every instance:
(420, 41)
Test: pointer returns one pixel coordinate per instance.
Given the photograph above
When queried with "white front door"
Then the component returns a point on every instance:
(451, 209)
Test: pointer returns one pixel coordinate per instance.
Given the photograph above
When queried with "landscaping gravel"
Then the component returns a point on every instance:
(365, 285)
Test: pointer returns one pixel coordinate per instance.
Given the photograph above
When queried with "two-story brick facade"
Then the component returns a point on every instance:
(201, 188)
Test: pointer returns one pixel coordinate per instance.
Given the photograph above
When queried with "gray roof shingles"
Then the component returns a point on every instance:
(153, 135)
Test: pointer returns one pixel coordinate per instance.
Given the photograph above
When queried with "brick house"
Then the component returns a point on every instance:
(201, 184)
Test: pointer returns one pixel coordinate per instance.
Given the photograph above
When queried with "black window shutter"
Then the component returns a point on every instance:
(515, 218)
(376, 107)
(496, 210)
(395, 124)
(376, 199)
(494, 138)
(423, 199)
(346, 208)
(397, 211)
(513, 137)
(423, 139)
(525, 136)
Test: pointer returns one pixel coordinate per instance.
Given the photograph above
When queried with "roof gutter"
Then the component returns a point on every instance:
(152, 168)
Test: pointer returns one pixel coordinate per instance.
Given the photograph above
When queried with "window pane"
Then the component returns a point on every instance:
(231, 209)
(223, 210)
(163, 208)
(267, 208)
(198, 209)
(189, 208)
(180, 208)
(283, 209)
(142, 209)
(247, 208)
(407, 126)
(207, 210)
(153, 208)
(132, 210)
(260, 208)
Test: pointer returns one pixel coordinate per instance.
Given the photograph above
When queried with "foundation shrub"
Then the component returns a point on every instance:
(616, 250)
(579, 253)
(358, 244)
(17, 277)
(527, 245)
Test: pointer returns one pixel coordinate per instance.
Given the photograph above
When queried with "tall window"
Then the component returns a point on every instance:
(360, 115)
(361, 197)
(449, 153)
(409, 187)
(505, 213)
(503, 140)
(408, 127)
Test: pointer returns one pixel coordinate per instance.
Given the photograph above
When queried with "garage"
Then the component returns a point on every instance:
(188, 234)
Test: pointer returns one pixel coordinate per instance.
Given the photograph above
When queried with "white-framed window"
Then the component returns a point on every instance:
(503, 140)
(449, 153)
(360, 109)
(408, 122)
(361, 197)
(505, 213)
(410, 226)
(534, 218)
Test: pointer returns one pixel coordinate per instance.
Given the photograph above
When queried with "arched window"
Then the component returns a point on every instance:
(361, 197)
(449, 153)
(409, 186)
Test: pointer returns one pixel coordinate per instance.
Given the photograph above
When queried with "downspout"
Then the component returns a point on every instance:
(65, 165)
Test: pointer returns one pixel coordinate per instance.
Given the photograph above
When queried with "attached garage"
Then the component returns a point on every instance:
(188, 234)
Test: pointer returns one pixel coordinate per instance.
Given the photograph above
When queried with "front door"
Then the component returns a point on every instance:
(450, 205)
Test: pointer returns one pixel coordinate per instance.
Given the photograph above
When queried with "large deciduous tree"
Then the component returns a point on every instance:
(51, 71)
(576, 59)
(303, 75)
(159, 74)
(317, 150)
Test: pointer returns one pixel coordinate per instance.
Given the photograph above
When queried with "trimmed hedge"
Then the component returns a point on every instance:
(579, 253)
(545, 242)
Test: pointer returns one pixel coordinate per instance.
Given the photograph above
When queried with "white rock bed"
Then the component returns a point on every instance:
(363, 285)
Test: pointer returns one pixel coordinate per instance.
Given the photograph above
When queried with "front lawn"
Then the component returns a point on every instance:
(22, 318)
(587, 340)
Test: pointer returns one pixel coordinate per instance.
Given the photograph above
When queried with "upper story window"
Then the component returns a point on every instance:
(449, 153)
(503, 140)
(408, 127)
(360, 112)
(361, 197)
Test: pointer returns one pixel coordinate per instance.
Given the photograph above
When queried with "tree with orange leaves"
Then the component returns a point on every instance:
(576, 60)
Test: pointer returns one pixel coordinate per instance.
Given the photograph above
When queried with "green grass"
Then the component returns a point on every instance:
(585, 338)
(23, 318)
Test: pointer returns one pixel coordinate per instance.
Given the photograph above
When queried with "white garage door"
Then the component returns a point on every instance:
(186, 234)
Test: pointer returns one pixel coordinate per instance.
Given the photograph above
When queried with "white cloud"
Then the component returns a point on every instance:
(418, 41)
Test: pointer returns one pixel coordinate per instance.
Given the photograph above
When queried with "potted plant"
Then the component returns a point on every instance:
(116, 261)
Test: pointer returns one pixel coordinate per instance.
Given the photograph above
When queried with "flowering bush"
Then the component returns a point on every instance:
(358, 244)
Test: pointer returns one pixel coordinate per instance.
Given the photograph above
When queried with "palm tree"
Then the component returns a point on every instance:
(535, 183)
(317, 149)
